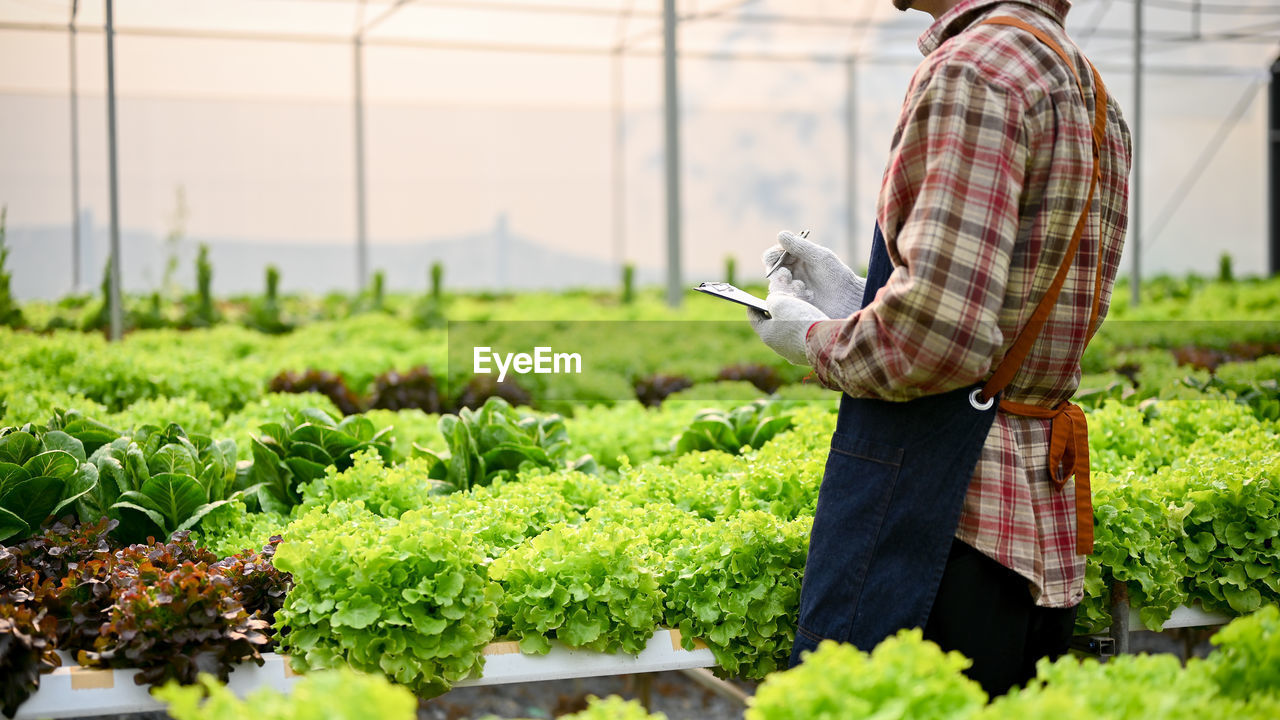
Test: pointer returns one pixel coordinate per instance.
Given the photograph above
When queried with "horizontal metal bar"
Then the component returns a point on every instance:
(603, 51)
(723, 688)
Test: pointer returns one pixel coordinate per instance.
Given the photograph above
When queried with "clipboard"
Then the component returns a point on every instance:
(725, 291)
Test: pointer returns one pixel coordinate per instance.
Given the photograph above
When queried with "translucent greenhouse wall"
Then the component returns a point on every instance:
(502, 163)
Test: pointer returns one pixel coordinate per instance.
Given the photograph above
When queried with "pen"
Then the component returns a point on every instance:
(783, 256)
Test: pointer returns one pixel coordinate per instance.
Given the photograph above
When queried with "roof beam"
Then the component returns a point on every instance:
(602, 51)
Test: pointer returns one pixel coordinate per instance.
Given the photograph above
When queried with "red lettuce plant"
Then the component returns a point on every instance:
(260, 586)
(26, 650)
(181, 623)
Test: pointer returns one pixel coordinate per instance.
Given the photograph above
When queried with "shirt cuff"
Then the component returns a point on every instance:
(815, 340)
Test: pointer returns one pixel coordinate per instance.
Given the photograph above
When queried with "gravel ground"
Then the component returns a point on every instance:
(672, 693)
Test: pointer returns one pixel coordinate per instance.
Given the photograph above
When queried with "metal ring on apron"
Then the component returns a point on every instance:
(973, 400)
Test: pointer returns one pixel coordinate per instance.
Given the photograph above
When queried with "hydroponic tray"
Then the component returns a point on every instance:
(1182, 617)
(74, 691)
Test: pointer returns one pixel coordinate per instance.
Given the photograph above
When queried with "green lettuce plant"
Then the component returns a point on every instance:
(903, 677)
(1246, 662)
(593, 586)
(505, 514)
(614, 708)
(407, 597)
(1136, 542)
(1230, 495)
(498, 441)
(43, 472)
(386, 491)
(735, 584)
(340, 694)
(299, 450)
(159, 481)
(1127, 687)
(231, 529)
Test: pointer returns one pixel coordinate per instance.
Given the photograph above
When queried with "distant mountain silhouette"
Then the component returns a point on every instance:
(40, 261)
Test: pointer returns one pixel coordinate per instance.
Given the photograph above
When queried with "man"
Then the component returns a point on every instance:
(1001, 220)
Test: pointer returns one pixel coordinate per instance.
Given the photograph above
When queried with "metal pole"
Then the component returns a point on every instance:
(851, 159)
(75, 155)
(1135, 186)
(1273, 123)
(1120, 617)
(362, 240)
(619, 164)
(672, 109)
(117, 314)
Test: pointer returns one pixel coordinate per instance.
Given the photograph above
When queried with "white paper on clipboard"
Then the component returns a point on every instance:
(728, 292)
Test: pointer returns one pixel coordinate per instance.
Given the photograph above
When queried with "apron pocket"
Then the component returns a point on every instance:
(861, 449)
(857, 486)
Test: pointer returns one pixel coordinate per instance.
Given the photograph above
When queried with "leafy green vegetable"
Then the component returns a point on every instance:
(746, 426)
(26, 651)
(406, 597)
(159, 481)
(232, 528)
(387, 491)
(721, 393)
(505, 514)
(1135, 542)
(613, 708)
(1255, 384)
(409, 427)
(1127, 687)
(341, 694)
(42, 473)
(626, 429)
(297, 451)
(781, 478)
(1185, 508)
(1247, 660)
(735, 584)
(591, 586)
(194, 415)
(1232, 525)
(497, 441)
(904, 677)
(244, 424)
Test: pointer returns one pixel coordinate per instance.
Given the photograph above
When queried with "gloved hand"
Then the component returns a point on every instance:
(785, 331)
(830, 285)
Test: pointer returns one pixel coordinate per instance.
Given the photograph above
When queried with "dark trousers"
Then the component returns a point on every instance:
(985, 611)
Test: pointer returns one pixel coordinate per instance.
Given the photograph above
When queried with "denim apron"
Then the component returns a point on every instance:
(897, 472)
(888, 507)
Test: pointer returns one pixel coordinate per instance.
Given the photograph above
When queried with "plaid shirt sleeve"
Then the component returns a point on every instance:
(950, 197)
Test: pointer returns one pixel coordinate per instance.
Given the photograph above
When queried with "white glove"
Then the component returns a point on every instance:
(785, 332)
(830, 285)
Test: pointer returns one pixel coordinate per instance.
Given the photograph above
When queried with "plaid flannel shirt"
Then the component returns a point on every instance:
(987, 176)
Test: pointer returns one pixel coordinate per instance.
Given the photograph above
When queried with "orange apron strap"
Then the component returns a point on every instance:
(1026, 337)
(1099, 139)
(1069, 435)
(1068, 456)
